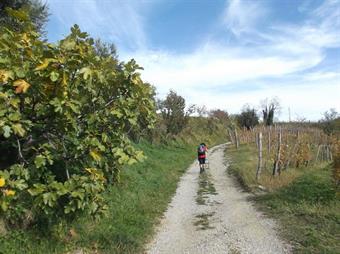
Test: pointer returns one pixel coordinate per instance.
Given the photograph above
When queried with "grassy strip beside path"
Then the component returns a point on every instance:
(135, 206)
(303, 201)
(139, 200)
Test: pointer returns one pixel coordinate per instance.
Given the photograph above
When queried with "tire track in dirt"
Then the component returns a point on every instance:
(211, 214)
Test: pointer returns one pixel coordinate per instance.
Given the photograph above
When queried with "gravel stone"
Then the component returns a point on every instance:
(227, 222)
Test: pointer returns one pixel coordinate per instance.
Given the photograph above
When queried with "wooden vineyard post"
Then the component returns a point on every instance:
(256, 140)
(236, 139)
(330, 153)
(278, 155)
(269, 141)
(259, 164)
(231, 136)
(317, 154)
(290, 154)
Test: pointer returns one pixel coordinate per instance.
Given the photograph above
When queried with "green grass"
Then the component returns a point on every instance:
(136, 204)
(205, 188)
(202, 222)
(304, 202)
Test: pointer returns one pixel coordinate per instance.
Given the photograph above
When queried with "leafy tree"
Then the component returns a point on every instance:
(173, 112)
(220, 115)
(201, 110)
(64, 110)
(37, 12)
(248, 117)
(331, 122)
(269, 109)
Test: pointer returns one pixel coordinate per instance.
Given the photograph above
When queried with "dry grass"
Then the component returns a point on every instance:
(303, 200)
(244, 165)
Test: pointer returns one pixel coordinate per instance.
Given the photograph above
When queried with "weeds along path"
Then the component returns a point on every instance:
(211, 214)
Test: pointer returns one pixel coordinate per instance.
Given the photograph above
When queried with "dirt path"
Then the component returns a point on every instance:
(210, 214)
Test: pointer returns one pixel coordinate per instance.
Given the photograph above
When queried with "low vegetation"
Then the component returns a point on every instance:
(135, 204)
(303, 200)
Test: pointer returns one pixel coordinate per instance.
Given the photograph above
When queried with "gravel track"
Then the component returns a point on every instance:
(211, 214)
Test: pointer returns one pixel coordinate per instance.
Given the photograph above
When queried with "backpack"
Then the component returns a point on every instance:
(201, 150)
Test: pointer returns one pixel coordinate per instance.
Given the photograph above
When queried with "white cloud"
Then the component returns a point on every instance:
(224, 76)
(322, 76)
(240, 16)
(218, 67)
(227, 75)
(117, 21)
(309, 99)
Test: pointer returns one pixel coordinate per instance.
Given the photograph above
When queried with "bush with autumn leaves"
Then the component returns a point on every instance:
(65, 112)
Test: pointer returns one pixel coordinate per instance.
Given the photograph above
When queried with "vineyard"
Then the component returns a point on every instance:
(286, 147)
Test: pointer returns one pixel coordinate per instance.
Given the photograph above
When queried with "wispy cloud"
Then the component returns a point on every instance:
(117, 21)
(263, 59)
(287, 52)
(243, 16)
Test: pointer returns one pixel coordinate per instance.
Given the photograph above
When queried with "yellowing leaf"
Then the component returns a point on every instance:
(25, 38)
(45, 64)
(97, 174)
(17, 128)
(9, 192)
(21, 86)
(91, 170)
(64, 81)
(14, 102)
(95, 155)
(5, 75)
(2, 181)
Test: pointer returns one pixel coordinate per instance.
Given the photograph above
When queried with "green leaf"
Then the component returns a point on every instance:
(14, 116)
(20, 72)
(19, 14)
(4, 205)
(68, 44)
(117, 113)
(132, 161)
(140, 156)
(86, 71)
(54, 76)
(133, 121)
(20, 184)
(40, 161)
(37, 189)
(7, 131)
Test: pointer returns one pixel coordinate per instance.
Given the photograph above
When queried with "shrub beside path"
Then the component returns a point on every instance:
(211, 214)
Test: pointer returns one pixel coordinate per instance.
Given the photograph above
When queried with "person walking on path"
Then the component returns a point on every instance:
(201, 154)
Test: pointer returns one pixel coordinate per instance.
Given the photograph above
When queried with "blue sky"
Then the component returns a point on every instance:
(222, 53)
